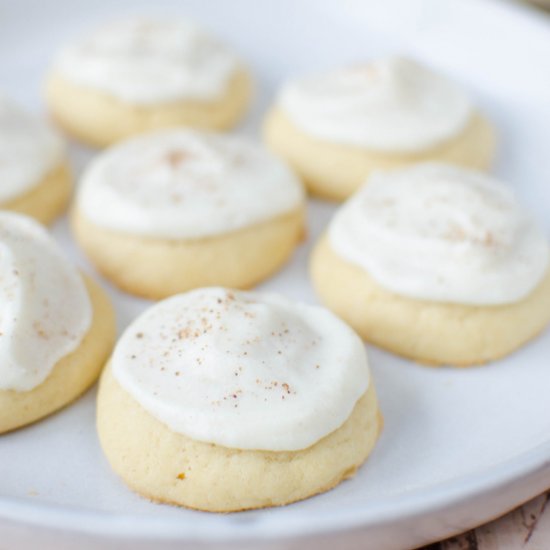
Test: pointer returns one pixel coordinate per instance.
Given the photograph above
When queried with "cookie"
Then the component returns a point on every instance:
(137, 75)
(336, 128)
(223, 400)
(188, 209)
(34, 171)
(57, 327)
(437, 264)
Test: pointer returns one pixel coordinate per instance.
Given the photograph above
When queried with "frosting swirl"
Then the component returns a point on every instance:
(392, 105)
(45, 310)
(243, 370)
(442, 233)
(146, 61)
(28, 151)
(186, 184)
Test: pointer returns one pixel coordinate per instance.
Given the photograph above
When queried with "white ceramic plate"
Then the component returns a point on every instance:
(459, 446)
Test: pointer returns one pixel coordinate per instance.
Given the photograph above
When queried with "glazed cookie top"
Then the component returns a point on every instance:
(391, 105)
(243, 370)
(44, 305)
(442, 233)
(28, 151)
(146, 61)
(180, 184)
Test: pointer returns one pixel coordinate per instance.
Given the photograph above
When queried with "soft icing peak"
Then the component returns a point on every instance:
(28, 151)
(45, 310)
(389, 105)
(147, 61)
(442, 233)
(243, 370)
(186, 184)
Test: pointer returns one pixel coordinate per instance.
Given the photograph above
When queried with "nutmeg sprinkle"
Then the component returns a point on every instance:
(45, 308)
(187, 184)
(235, 359)
(442, 233)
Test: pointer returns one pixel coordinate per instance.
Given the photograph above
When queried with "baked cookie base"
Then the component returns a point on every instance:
(157, 268)
(71, 376)
(48, 199)
(168, 467)
(432, 333)
(99, 119)
(334, 172)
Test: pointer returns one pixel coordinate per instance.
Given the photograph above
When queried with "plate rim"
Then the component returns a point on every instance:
(115, 524)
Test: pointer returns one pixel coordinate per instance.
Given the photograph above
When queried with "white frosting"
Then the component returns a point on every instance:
(186, 184)
(45, 310)
(28, 151)
(442, 233)
(390, 105)
(243, 370)
(145, 61)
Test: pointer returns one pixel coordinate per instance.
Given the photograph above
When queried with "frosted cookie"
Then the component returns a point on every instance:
(436, 263)
(142, 74)
(223, 400)
(336, 128)
(34, 173)
(56, 327)
(179, 209)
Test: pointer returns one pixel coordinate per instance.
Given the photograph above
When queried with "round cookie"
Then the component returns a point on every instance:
(436, 264)
(138, 75)
(429, 332)
(188, 209)
(191, 468)
(57, 333)
(243, 415)
(336, 129)
(34, 171)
